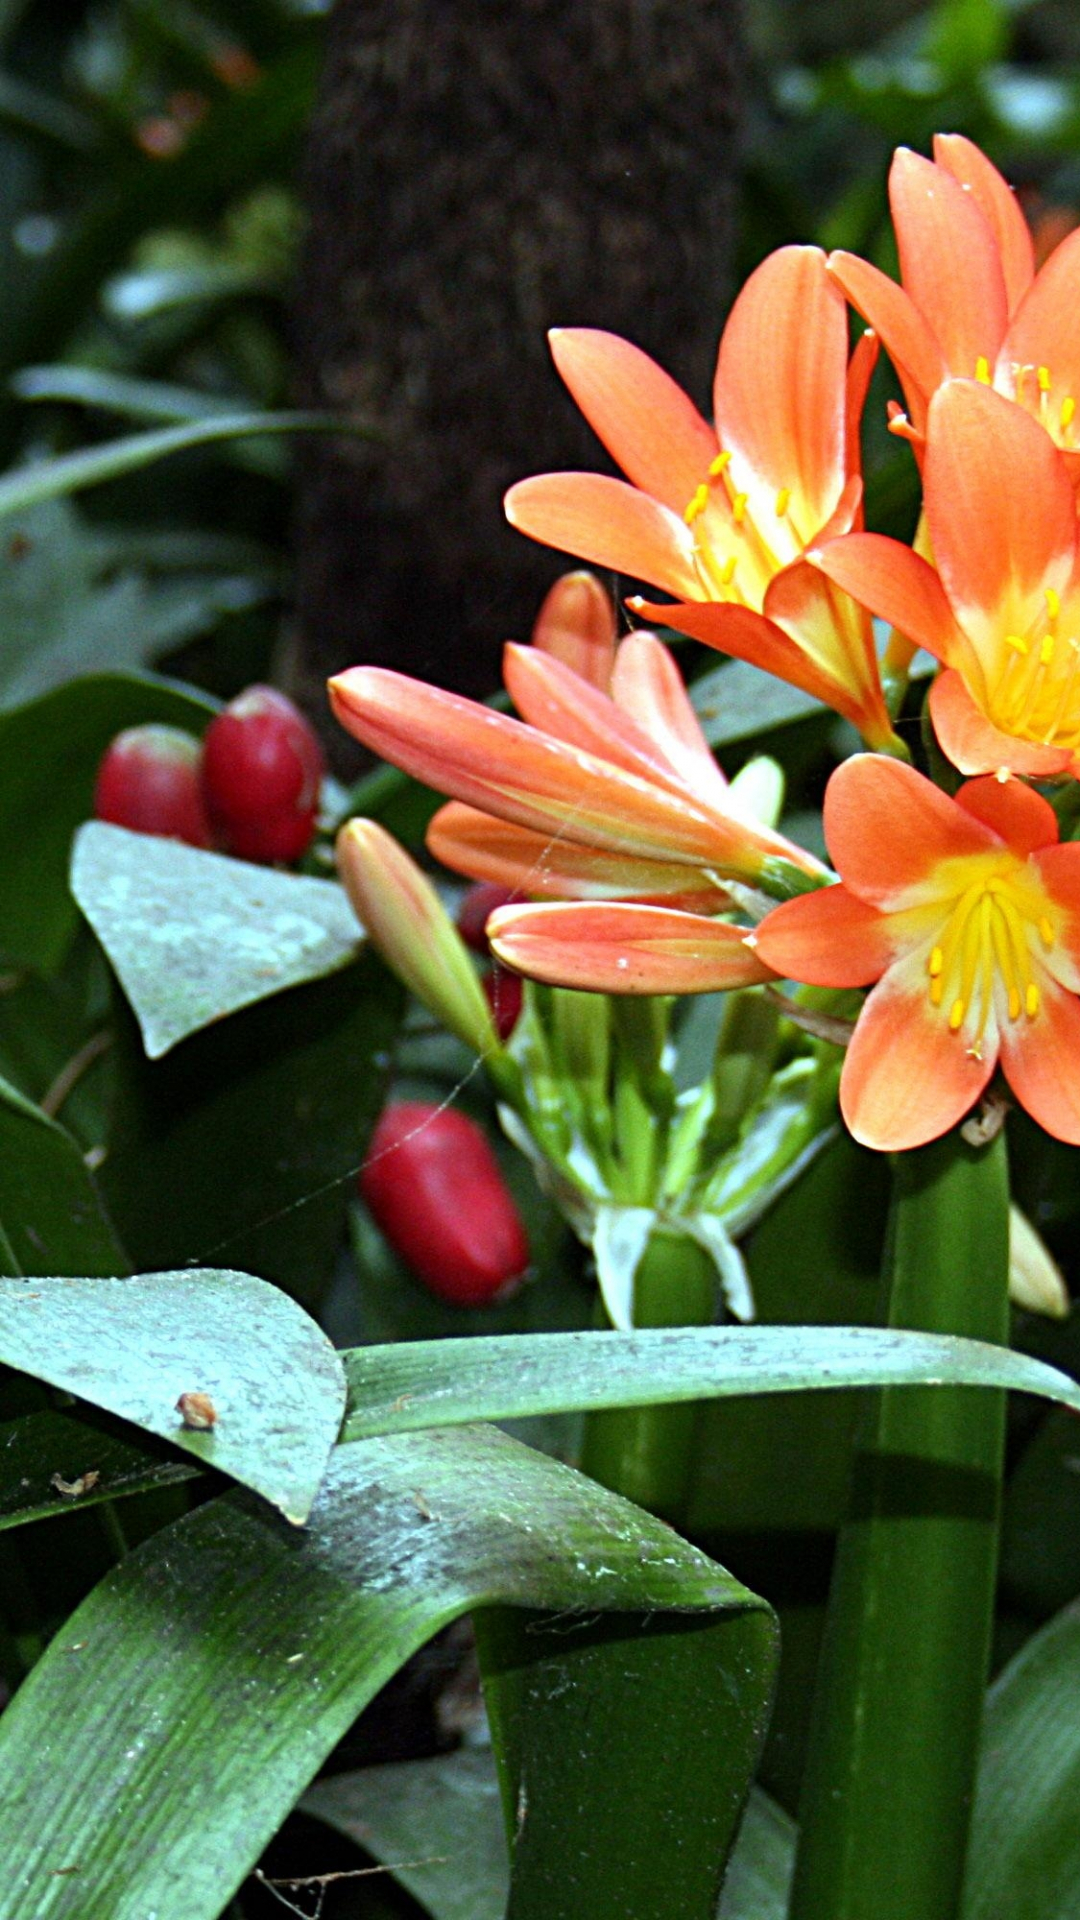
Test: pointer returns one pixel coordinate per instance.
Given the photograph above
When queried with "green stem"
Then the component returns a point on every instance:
(895, 1732)
(647, 1453)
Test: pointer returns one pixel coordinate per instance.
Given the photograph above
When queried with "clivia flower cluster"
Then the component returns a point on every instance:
(639, 868)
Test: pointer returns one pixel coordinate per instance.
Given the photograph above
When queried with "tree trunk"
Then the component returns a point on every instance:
(478, 171)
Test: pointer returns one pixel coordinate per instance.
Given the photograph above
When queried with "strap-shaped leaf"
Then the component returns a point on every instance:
(51, 1215)
(1024, 1855)
(194, 936)
(222, 1660)
(440, 1382)
(438, 1825)
(50, 1463)
(273, 1381)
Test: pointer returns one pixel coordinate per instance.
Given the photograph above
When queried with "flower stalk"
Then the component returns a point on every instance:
(898, 1710)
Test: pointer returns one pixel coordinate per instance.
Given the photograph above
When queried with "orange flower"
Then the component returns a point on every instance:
(590, 799)
(1002, 609)
(970, 303)
(721, 518)
(966, 912)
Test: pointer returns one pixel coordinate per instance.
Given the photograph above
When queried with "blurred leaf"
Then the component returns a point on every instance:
(230, 1653)
(63, 473)
(141, 294)
(145, 400)
(246, 1139)
(759, 1878)
(735, 701)
(43, 1448)
(445, 1815)
(133, 1346)
(1024, 1856)
(51, 1216)
(1040, 1536)
(441, 1382)
(63, 610)
(194, 936)
(49, 754)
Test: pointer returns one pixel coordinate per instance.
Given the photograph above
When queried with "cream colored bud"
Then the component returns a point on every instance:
(1035, 1279)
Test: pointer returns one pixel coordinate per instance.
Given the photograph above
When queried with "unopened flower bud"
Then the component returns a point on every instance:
(408, 924)
(576, 624)
(1035, 1279)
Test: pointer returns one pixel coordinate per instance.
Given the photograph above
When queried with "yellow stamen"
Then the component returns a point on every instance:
(1046, 649)
(1013, 640)
(982, 369)
(1046, 932)
(727, 571)
(738, 508)
(937, 992)
(716, 467)
(1068, 408)
(1043, 377)
(1031, 1001)
(937, 961)
(956, 1015)
(1014, 1004)
(1053, 602)
(783, 500)
(697, 506)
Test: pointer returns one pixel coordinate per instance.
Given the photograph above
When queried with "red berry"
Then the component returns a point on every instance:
(504, 992)
(476, 910)
(434, 1186)
(148, 780)
(262, 770)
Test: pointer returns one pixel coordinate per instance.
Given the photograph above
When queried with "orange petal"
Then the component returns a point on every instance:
(1041, 1059)
(1000, 508)
(647, 423)
(860, 368)
(887, 828)
(999, 206)
(949, 261)
(576, 623)
(552, 697)
(826, 939)
(608, 522)
(835, 635)
(624, 949)
(538, 864)
(904, 333)
(750, 636)
(975, 745)
(906, 1078)
(1045, 331)
(1059, 870)
(1023, 819)
(509, 769)
(647, 685)
(897, 585)
(779, 396)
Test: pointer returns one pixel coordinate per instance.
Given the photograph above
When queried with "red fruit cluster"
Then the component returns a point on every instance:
(251, 788)
(433, 1185)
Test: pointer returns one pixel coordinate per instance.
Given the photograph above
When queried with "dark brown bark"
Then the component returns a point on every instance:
(478, 171)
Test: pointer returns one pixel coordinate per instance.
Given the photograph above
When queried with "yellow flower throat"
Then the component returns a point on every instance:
(992, 936)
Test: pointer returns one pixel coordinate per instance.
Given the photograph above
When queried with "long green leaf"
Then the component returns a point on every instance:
(438, 1825)
(222, 1661)
(51, 1464)
(70, 472)
(428, 1383)
(51, 1215)
(1024, 1859)
(193, 935)
(135, 1346)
